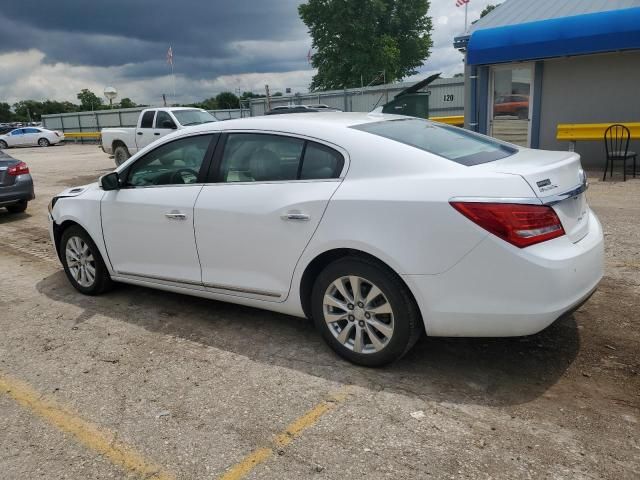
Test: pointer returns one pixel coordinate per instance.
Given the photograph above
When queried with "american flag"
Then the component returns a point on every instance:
(170, 56)
(460, 3)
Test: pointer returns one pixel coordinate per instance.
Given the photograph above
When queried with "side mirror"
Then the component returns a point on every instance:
(169, 124)
(110, 181)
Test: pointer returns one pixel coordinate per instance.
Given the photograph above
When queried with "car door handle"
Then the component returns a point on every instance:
(139, 133)
(175, 215)
(157, 133)
(296, 216)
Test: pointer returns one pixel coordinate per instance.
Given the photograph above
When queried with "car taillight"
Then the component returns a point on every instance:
(57, 133)
(520, 225)
(18, 169)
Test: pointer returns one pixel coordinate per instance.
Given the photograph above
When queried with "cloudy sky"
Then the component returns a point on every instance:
(52, 49)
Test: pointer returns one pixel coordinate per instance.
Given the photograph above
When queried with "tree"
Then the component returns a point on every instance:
(32, 110)
(28, 110)
(6, 115)
(246, 95)
(89, 100)
(366, 42)
(227, 100)
(457, 75)
(486, 11)
(126, 102)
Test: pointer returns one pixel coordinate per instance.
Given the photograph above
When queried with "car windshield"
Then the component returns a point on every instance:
(193, 117)
(452, 143)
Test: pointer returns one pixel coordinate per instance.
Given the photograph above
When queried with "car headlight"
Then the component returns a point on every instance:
(52, 203)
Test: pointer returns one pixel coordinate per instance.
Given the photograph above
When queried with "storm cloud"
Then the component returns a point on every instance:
(217, 44)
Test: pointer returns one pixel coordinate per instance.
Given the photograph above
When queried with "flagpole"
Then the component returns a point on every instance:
(466, 6)
(173, 76)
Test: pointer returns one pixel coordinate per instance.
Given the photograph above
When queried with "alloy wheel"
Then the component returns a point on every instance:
(80, 261)
(358, 314)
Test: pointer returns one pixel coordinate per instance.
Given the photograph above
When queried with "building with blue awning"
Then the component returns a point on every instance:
(531, 65)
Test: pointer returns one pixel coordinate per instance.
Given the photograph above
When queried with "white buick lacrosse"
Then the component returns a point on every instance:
(375, 226)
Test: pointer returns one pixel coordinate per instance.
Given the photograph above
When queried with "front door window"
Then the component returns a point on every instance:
(511, 109)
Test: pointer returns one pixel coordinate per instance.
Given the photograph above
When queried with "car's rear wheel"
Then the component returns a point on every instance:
(17, 207)
(120, 154)
(83, 263)
(365, 312)
(3, 145)
(43, 142)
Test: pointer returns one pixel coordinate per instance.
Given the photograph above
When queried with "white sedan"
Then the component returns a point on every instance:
(379, 227)
(29, 137)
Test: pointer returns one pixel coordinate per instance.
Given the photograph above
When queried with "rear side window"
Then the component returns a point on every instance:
(147, 119)
(452, 143)
(320, 162)
(257, 157)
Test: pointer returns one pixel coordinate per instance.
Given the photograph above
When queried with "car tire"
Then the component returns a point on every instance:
(365, 314)
(120, 154)
(3, 145)
(83, 263)
(522, 114)
(43, 142)
(17, 207)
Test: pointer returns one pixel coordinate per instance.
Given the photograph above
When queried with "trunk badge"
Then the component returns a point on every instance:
(545, 185)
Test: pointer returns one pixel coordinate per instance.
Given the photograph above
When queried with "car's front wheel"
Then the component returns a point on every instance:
(365, 312)
(3, 145)
(83, 263)
(43, 142)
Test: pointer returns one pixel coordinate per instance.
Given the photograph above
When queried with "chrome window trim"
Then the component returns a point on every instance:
(171, 185)
(276, 182)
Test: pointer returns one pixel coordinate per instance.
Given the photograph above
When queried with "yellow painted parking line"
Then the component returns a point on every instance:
(89, 435)
(260, 455)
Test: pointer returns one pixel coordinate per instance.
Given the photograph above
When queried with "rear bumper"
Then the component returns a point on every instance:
(498, 290)
(20, 191)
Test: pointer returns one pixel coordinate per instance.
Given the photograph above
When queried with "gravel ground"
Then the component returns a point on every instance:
(196, 385)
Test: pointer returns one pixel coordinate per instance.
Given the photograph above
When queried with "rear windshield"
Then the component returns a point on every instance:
(452, 143)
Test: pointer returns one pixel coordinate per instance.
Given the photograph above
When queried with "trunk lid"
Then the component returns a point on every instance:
(557, 179)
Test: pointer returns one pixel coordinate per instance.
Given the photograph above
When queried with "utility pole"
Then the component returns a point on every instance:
(164, 99)
(266, 89)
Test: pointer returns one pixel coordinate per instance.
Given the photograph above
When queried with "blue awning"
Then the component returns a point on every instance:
(557, 37)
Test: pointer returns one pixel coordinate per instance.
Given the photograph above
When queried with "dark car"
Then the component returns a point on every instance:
(16, 184)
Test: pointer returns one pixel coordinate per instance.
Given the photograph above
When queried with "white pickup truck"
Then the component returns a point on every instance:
(153, 124)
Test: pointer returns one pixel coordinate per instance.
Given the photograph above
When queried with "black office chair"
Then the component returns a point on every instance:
(616, 145)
